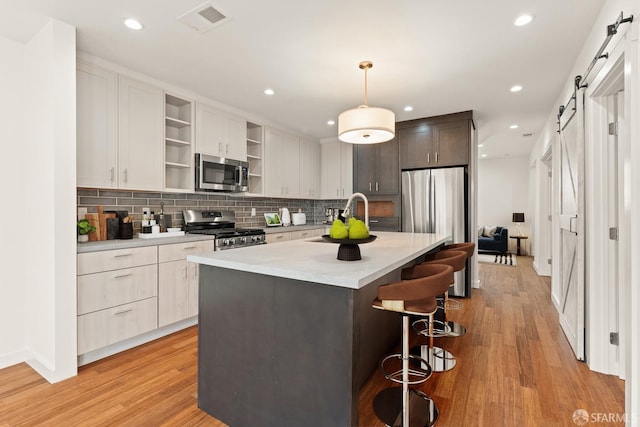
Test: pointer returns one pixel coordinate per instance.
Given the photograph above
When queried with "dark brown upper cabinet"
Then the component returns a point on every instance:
(437, 141)
(376, 168)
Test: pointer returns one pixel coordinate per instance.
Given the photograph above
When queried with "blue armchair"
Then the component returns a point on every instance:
(497, 243)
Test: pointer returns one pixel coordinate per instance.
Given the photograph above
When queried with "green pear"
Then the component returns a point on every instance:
(358, 230)
(338, 230)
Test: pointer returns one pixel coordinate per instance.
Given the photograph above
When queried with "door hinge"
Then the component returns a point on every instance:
(613, 233)
(549, 217)
(549, 261)
(614, 338)
(613, 128)
(549, 174)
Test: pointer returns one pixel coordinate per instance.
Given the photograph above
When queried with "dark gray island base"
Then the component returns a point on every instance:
(280, 352)
(288, 351)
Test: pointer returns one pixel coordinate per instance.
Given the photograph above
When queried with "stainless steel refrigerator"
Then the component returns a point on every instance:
(434, 201)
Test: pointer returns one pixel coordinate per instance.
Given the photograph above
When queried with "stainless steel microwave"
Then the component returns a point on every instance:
(221, 174)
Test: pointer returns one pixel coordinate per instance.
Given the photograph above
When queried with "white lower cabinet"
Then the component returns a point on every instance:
(178, 281)
(277, 237)
(294, 235)
(124, 293)
(102, 328)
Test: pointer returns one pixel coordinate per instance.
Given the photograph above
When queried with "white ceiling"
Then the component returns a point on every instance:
(440, 56)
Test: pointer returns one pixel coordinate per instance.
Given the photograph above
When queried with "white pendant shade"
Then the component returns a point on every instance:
(366, 125)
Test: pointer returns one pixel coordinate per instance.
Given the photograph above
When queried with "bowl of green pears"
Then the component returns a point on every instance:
(349, 236)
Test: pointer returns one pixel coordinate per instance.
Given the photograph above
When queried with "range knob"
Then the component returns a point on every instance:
(256, 238)
(227, 242)
(243, 240)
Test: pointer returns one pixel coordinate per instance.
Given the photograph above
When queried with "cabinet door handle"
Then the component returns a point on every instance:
(126, 310)
(436, 157)
(188, 248)
(377, 187)
(428, 157)
(373, 221)
(220, 147)
(369, 186)
(112, 174)
(226, 148)
(122, 275)
(337, 192)
(126, 175)
(122, 255)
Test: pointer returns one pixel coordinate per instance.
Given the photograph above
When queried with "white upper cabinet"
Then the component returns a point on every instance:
(220, 134)
(336, 170)
(309, 169)
(97, 126)
(140, 136)
(282, 164)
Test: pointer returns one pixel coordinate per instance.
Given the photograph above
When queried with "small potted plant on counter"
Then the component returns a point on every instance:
(84, 228)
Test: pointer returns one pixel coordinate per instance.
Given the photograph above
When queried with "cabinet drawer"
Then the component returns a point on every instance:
(179, 251)
(112, 288)
(95, 262)
(278, 237)
(384, 223)
(305, 234)
(105, 327)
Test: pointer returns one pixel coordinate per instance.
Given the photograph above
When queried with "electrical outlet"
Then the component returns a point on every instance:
(253, 211)
(82, 212)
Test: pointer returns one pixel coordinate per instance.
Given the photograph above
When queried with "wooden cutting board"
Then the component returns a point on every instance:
(93, 219)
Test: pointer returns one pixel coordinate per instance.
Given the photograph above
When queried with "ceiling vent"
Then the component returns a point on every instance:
(203, 18)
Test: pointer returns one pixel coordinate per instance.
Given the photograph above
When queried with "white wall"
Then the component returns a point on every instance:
(38, 294)
(12, 261)
(503, 188)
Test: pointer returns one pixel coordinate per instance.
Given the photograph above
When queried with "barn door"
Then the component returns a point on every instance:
(571, 253)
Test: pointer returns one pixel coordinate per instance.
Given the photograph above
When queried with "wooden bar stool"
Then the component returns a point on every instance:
(401, 406)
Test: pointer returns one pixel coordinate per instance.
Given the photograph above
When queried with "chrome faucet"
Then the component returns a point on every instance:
(366, 207)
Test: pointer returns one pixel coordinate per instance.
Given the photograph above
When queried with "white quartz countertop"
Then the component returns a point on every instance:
(314, 260)
(107, 245)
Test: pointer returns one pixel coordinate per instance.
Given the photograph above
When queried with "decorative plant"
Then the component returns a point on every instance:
(85, 227)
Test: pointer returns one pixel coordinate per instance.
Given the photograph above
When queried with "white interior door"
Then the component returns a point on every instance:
(571, 224)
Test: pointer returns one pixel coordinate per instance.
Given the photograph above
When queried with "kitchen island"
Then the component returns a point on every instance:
(287, 335)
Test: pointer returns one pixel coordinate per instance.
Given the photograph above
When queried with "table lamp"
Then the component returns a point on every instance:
(518, 217)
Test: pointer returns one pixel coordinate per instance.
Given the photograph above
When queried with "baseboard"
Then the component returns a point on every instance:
(101, 353)
(539, 271)
(13, 358)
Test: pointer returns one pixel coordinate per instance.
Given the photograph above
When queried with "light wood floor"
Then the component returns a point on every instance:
(515, 368)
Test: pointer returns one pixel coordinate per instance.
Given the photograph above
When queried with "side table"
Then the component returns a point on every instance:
(519, 238)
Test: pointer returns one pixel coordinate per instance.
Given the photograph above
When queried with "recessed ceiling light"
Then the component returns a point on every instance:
(516, 88)
(513, 127)
(134, 24)
(331, 122)
(523, 20)
(484, 155)
(408, 108)
(480, 145)
(269, 92)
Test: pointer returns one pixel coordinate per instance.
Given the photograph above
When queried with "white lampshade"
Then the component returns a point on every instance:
(366, 125)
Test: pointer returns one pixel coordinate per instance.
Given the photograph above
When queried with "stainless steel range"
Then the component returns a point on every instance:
(222, 225)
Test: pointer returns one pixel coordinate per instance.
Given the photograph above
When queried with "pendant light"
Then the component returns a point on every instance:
(364, 124)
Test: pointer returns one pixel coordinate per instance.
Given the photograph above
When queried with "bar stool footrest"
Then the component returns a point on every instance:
(416, 376)
(440, 328)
